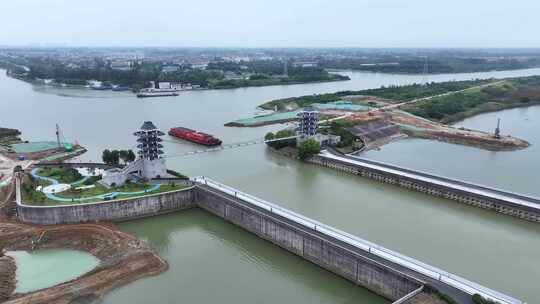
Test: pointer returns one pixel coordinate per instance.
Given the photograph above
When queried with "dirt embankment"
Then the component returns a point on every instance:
(414, 126)
(123, 259)
(7, 277)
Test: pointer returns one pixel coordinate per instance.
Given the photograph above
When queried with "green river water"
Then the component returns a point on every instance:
(212, 260)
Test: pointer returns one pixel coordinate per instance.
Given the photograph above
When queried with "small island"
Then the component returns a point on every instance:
(369, 119)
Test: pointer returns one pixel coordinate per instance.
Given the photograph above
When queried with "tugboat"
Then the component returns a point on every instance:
(194, 136)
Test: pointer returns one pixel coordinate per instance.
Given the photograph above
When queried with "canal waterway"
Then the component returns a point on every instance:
(495, 250)
(44, 268)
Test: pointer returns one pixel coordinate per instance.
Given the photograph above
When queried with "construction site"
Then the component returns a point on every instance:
(122, 257)
(16, 152)
(378, 128)
(374, 122)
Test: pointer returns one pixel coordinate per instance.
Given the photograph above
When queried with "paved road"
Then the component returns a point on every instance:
(6, 168)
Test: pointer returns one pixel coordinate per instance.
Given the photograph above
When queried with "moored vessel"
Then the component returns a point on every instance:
(194, 136)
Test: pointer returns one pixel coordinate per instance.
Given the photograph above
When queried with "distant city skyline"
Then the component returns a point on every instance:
(257, 23)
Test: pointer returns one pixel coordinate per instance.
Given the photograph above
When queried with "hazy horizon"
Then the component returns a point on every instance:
(281, 24)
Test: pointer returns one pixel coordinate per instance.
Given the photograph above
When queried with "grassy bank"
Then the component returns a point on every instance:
(233, 84)
(511, 93)
(391, 94)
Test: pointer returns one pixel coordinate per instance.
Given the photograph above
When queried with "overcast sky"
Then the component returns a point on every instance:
(272, 23)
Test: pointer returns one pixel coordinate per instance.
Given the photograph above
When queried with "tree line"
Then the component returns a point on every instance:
(113, 157)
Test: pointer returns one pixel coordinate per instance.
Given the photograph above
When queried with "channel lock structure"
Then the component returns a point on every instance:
(149, 165)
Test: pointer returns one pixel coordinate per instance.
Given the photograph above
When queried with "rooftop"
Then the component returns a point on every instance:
(148, 126)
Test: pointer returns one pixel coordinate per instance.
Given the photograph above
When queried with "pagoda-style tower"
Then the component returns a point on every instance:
(149, 165)
(308, 122)
(149, 138)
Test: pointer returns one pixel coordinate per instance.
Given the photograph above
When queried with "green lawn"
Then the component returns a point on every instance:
(62, 175)
(32, 197)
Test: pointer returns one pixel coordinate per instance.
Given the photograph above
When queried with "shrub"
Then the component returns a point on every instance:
(308, 148)
(282, 143)
(478, 299)
(446, 298)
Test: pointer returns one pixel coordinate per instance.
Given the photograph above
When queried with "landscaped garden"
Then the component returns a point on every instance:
(40, 188)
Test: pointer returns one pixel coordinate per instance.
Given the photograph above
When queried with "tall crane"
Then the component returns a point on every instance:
(61, 141)
(498, 129)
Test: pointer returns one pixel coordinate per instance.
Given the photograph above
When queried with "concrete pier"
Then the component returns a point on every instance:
(505, 202)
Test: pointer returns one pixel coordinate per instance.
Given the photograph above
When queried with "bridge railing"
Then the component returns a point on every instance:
(228, 146)
(387, 254)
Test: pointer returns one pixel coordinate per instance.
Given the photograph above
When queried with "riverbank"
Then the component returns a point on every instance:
(505, 94)
(223, 85)
(487, 108)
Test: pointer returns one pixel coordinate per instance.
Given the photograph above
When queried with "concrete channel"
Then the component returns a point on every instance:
(501, 201)
(387, 273)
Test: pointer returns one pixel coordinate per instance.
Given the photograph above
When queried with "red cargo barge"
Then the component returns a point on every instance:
(194, 136)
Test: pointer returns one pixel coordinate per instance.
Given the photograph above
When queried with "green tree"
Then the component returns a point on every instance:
(308, 148)
(281, 143)
(111, 157)
(115, 157)
(269, 136)
(130, 156)
(106, 156)
(123, 155)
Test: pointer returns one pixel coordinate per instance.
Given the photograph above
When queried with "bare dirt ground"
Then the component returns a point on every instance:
(7, 165)
(123, 259)
(414, 126)
(7, 277)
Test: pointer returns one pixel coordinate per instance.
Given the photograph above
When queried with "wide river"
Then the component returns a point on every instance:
(213, 261)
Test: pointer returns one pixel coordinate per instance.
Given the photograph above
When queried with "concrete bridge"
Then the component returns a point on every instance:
(506, 202)
(392, 275)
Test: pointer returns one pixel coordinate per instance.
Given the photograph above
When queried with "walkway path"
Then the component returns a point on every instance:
(55, 197)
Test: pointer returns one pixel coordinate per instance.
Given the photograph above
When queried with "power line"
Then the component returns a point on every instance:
(227, 147)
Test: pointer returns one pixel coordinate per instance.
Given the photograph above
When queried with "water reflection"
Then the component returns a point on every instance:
(212, 260)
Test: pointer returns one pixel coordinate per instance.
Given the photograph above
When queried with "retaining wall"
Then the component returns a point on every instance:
(116, 210)
(465, 197)
(313, 246)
